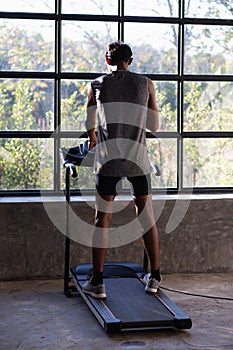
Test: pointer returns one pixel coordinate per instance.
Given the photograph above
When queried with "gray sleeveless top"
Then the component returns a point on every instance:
(122, 100)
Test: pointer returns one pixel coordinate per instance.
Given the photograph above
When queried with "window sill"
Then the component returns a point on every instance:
(126, 198)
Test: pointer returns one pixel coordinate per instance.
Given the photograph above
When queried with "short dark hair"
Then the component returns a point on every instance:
(118, 51)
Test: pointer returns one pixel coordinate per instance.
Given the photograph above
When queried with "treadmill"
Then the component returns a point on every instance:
(127, 306)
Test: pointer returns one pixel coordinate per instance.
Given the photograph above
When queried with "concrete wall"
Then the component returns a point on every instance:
(31, 246)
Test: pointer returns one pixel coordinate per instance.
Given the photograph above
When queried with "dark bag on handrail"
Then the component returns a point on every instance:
(79, 155)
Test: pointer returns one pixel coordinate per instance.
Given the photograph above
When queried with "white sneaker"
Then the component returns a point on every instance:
(97, 292)
(151, 284)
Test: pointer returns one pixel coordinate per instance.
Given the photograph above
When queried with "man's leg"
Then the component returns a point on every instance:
(95, 286)
(103, 219)
(144, 210)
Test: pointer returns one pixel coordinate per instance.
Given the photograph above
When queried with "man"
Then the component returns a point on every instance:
(126, 107)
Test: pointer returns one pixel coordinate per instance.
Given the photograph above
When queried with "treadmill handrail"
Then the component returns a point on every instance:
(72, 169)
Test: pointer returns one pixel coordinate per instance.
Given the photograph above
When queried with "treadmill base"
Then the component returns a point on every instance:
(128, 306)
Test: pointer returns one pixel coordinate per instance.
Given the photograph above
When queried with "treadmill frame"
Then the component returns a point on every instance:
(110, 322)
(106, 318)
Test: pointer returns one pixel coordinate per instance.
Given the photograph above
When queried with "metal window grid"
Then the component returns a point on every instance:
(58, 75)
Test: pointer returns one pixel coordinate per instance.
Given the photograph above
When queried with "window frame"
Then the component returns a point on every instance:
(180, 78)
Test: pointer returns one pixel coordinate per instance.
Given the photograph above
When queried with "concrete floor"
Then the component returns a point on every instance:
(37, 315)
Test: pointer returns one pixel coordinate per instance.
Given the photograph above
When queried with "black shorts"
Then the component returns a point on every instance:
(106, 185)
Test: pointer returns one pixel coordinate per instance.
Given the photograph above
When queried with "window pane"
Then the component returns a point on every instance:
(163, 152)
(208, 49)
(154, 8)
(86, 177)
(208, 162)
(84, 45)
(27, 45)
(93, 7)
(209, 9)
(27, 6)
(154, 47)
(26, 104)
(25, 165)
(73, 104)
(208, 106)
(166, 96)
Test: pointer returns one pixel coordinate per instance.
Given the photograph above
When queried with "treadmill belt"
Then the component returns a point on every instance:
(128, 306)
(128, 301)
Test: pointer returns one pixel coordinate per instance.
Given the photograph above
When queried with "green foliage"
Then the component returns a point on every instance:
(202, 157)
(73, 106)
(20, 166)
(20, 169)
(4, 109)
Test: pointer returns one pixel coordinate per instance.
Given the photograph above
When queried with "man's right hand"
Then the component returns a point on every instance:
(92, 143)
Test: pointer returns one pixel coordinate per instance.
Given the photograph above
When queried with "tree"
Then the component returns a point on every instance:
(20, 169)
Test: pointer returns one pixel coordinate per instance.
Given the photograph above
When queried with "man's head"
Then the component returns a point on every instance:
(118, 52)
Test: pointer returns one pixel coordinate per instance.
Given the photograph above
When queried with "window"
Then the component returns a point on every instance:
(51, 50)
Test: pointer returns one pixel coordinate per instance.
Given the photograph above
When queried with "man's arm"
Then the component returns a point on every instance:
(152, 122)
(91, 119)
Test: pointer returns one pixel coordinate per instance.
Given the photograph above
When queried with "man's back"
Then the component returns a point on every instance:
(123, 86)
(122, 99)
